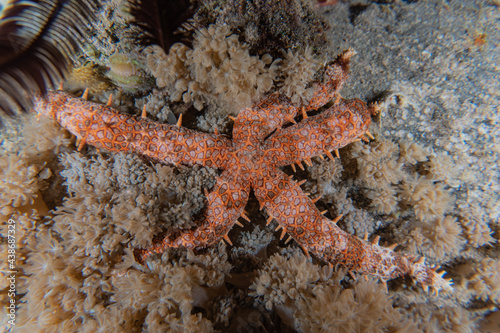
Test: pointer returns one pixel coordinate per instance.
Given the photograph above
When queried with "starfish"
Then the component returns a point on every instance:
(260, 146)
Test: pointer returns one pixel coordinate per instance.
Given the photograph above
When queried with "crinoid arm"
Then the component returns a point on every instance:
(38, 39)
(105, 128)
(298, 216)
(225, 205)
(338, 126)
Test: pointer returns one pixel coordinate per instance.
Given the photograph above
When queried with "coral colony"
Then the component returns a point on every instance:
(251, 160)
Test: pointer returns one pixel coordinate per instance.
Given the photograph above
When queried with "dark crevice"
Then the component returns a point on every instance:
(355, 11)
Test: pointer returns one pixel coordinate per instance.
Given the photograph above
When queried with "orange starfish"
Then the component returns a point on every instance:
(252, 160)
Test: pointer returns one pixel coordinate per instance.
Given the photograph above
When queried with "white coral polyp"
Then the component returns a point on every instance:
(218, 68)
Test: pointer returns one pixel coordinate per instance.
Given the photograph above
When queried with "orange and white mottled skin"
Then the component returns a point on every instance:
(252, 160)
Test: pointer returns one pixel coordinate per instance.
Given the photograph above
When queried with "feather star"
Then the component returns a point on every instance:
(252, 160)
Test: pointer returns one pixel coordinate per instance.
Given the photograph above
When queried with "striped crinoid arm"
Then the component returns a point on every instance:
(105, 128)
(298, 216)
(338, 126)
(38, 39)
(225, 205)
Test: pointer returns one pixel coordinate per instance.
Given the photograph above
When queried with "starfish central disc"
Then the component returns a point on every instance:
(250, 158)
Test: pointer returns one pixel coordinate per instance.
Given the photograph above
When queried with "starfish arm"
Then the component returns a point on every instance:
(334, 77)
(104, 127)
(298, 216)
(225, 205)
(257, 122)
(341, 124)
(260, 120)
(366, 257)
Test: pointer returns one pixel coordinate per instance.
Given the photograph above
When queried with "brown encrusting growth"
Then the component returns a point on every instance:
(252, 160)
(268, 26)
